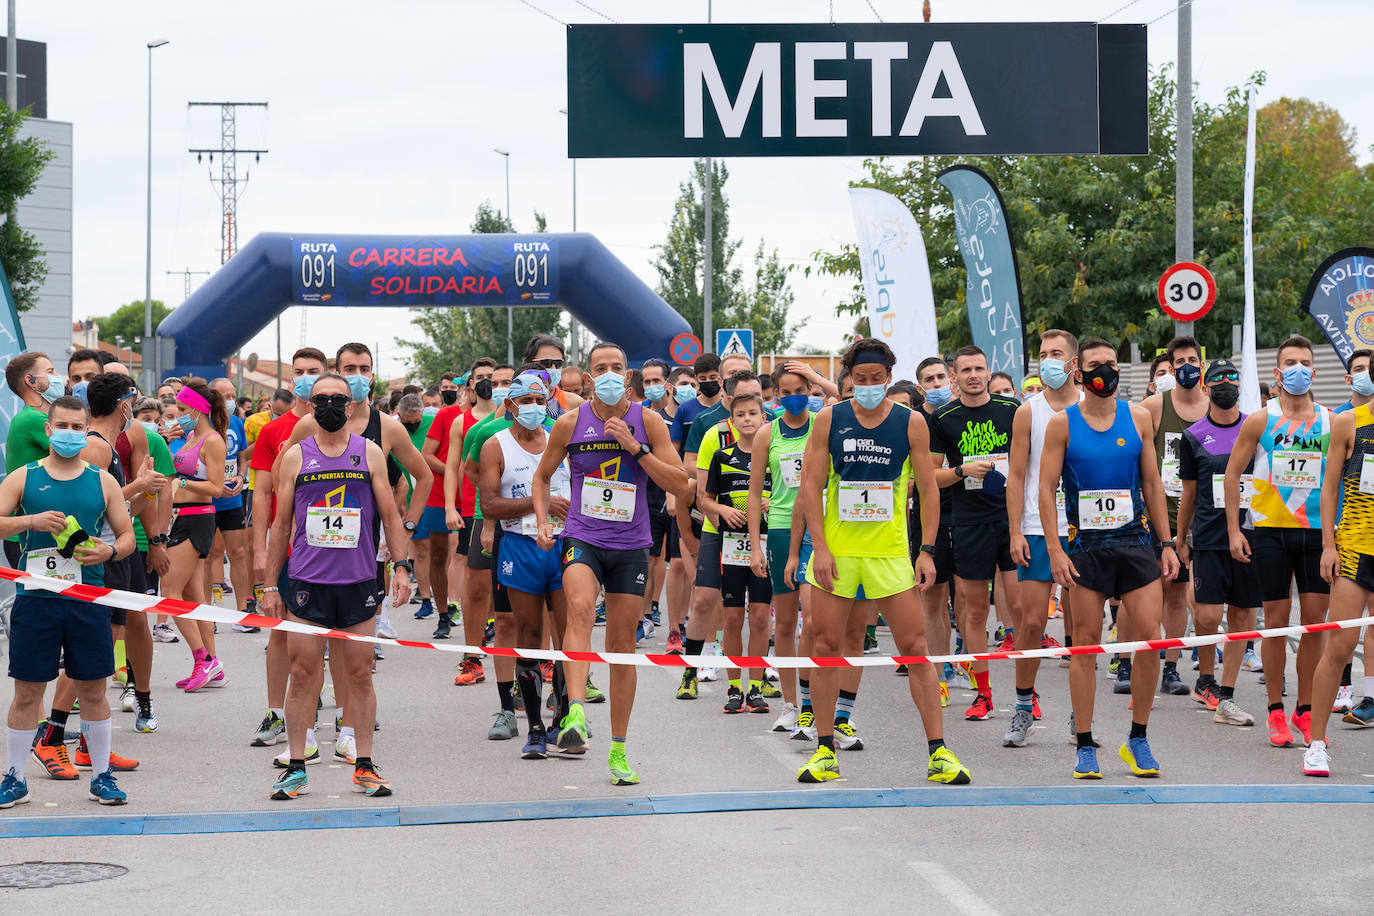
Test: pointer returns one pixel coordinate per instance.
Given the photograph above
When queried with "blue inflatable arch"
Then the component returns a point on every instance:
(276, 270)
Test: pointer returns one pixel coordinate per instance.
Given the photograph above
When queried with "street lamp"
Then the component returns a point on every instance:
(149, 380)
(119, 347)
(572, 320)
(510, 310)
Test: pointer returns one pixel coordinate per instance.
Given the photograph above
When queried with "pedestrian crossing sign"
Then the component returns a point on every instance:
(735, 342)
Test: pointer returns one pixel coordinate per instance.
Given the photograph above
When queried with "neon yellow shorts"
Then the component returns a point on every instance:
(879, 577)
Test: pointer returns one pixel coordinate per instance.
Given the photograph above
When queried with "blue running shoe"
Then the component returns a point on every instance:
(536, 745)
(601, 615)
(106, 791)
(656, 616)
(13, 791)
(1087, 767)
(1136, 753)
(290, 784)
(949, 673)
(1362, 715)
(426, 609)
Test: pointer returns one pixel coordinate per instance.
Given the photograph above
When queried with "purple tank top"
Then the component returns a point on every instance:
(593, 454)
(335, 541)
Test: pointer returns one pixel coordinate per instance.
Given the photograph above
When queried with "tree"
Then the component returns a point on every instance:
(22, 161)
(127, 322)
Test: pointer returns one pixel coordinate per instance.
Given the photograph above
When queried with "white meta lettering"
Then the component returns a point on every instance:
(809, 89)
(959, 104)
(762, 77)
(882, 54)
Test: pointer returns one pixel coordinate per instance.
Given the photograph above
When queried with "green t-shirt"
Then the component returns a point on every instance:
(478, 436)
(27, 440)
(417, 439)
(704, 423)
(162, 463)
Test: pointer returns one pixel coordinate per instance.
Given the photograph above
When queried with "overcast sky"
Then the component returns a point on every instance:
(383, 118)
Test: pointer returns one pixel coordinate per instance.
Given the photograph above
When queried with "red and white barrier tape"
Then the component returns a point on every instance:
(148, 604)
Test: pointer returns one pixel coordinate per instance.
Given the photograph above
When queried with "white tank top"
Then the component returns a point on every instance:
(1041, 412)
(518, 476)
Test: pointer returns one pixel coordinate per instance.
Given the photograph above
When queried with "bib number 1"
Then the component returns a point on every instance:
(864, 501)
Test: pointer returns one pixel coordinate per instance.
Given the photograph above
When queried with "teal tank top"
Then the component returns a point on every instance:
(81, 497)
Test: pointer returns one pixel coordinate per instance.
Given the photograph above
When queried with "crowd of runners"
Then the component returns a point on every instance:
(785, 514)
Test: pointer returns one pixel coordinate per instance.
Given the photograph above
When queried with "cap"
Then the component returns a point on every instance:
(1216, 367)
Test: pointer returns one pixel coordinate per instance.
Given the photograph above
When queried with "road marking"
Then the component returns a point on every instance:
(770, 745)
(956, 892)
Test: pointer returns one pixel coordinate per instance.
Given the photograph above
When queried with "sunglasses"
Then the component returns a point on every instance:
(1226, 376)
(339, 401)
(550, 363)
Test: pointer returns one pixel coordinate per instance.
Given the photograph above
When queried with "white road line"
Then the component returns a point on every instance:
(773, 746)
(955, 892)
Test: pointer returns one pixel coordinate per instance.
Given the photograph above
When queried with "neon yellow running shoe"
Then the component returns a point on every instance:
(593, 694)
(822, 767)
(945, 767)
(572, 734)
(621, 774)
(944, 694)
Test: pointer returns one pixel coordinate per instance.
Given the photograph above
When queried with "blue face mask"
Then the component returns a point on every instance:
(187, 422)
(531, 416)
(684, 393)
(1053, 372)
(67, 442)
(939, 397)
(795, 404)
(1297, 379)
(430, 411)
(869, 396)
(655, 393)
(499, 395)
(57, 386)
(359, 386)
(303, 384)
(555, 376)
(814, 403)
(79, 392)
(1188, 375)
(610, 388)
(150, 427)
(1361, 385)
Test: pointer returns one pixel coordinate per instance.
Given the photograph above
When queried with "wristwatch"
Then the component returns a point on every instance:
(928, 548)
(407, 565)
(959, 472)
(159, 539)
(410, 526)
(643, 450)
(1173, 545)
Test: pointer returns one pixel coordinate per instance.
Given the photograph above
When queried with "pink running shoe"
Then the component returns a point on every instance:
(204, 672)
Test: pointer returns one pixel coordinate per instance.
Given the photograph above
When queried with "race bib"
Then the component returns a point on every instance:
(790, 463)
(1367, 474)
(734, 549)
(48, 562)
(864, 501)
(332, 528)
(527, 525)
(1296, 468)
(1104, 510)
(1247, 490)
(231, 469)
(1059, 500)
(608, 500)
(1168, 467)
(1000, 463)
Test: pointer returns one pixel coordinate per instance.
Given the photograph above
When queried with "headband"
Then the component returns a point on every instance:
(193, 400)
(871, 356)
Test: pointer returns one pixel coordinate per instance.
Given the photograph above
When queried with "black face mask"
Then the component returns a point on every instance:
(709, 389)
(449, 396)
(330, 418)
(1102, 381)
(483, 389)
(1224, 396)
(411, 427)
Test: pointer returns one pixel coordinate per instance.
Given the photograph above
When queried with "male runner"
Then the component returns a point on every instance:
(410, 411)
(1217, 578)
(1058, 354)
(613, 447)
(1287, 441)
(335, 483)
(936, 389)
(1361, 392)
(1103, 450)
(653, 377)
(683, 385)
(31, 378)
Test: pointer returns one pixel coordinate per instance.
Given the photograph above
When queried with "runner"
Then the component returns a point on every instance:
(860, 456)
(1217, 578)
(1058, 353)
(653, 376)
(416, 421)
(231, 519)
(936, 389)
(31, 377)
(336, 483)
(1361, 392)
(1287, 442)
(612, 447)
(1103, 450)
(56, 505)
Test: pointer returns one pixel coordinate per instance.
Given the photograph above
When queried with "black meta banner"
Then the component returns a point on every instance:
(857, 89)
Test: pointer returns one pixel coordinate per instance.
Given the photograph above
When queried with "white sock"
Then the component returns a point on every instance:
(279, 713)
(17, 743)
(383, 616)
(345, 732)
(309, 737)
(1369, 686)
(98, 735)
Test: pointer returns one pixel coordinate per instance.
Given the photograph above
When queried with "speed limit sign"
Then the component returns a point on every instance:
(1187, 291)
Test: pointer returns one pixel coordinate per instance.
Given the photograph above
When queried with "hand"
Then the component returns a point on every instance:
(545, 536)
(1331, 564)
(148, 479)
(1240, 548)
(789, 571)
(689, 544)
(757, 562)
(158, 561)
(231, 486)
(1020, 550)
(1184, 553)
(488, 537)
(400, 587)
(259, 565)
(384, 553)
(271, 605)
(619, 430)
(1062, 568)
(559, 507)
(51, 521)
(764, 510)
(800, 368)
(452, 520)
(93, 552)
(925, 571)
(977, 469)
(1168, 563)
(733, 518)
(823, 568)
(670, 506)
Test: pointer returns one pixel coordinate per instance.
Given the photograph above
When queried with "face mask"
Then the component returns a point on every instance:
(303, 384)
(1224, 396)
(449, 397)
(684, 393)
(794, 403)
(939, 397)
(1297, 379)
(1164, 383)
(610, 388)
(128, 421)
(814, 402)
(482, 389)
(411, 427)
(187, 422)
(869, 396)
(150, 427)
(710, 389)
(330, 418)
(1188, 375)
(531, 415)
(655, 393)
(430, 411)
(1102, 381)
(499, 394)
(555, 376)
(1361, 385)
(67, 442)
(1053, 373)
(57, 386)
(359, 386)
(79, 392)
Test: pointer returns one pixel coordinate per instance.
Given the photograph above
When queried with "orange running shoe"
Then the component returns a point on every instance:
(981, 708)
(82, 759)
(546, 672)
(367, 781)
(1302, 721)
(55, 760)
(469, 672)
(1279, 735)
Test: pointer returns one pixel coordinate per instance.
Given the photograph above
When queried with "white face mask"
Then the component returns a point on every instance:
(1165, 382)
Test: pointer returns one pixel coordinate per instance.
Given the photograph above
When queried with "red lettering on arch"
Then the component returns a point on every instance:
(458, 257)
(372, 258)
(407, 256)
(378, 283)
(470, 284)
(495, 286)
(389, 258)
(353, 257)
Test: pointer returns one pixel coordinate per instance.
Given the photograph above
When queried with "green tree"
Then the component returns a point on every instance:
(22, 161)
(127, 322)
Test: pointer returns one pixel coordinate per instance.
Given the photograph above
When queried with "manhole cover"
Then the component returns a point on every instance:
(51, 874)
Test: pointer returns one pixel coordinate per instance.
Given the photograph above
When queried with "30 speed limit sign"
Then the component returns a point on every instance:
(1187, 291)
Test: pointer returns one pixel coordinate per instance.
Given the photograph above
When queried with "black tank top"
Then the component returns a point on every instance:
(116, 467)
(373, 431)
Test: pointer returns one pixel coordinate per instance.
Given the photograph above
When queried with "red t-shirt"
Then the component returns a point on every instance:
(270, 441)
(439, 430)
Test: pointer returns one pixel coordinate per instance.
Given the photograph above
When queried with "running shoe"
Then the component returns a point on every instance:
(1073, 734)
(846, 738)
(981, 708)
(687, 690)
(1316, 760)
(944, 767)
(944, 694)
(770, 691)
(1345, 699)
(1049, 642)
(1113, 665)
(1302, 721)
(1008, 643)
(82, 759)
(55, 760)
(1035, 705)
(709, 673)
(504, 728)
(424, 610)
(1362, 714)
(999, 635)
(283, 760)
(822, 767)
(674, 643)
(444, 628)
(240, 628)
(572, 732)
(1228, 712)
(105, 790)
(13, 790)
(1123, 677)
(1017, 733)
(788, 720)
(755, 702)
(734, 701)
(146, 720)
(770, 675)
(386, 631)
(805, 729)
(368, 781)
(902, 672)
(621, 774)
(960, 678)
(203, 673)
(469, 672)
(128, 699)
(1136, 754)
(645, 630)
(948, 672)
(600, 615)
(1087, 767)
(219, 680)
(656, 615)
(546, 672)
(1279, 735)
(289, 785)
(271, 731)
(346, 749)
(165, 632)
(536, 745)
(1171, 683)
(870, 645)
(1250, 661)
(593, 693)
(1207, 694)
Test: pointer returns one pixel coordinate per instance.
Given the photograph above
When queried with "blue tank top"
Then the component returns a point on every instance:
(1101, 472)
(616, 520)
(334, 543)
(81, 497)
